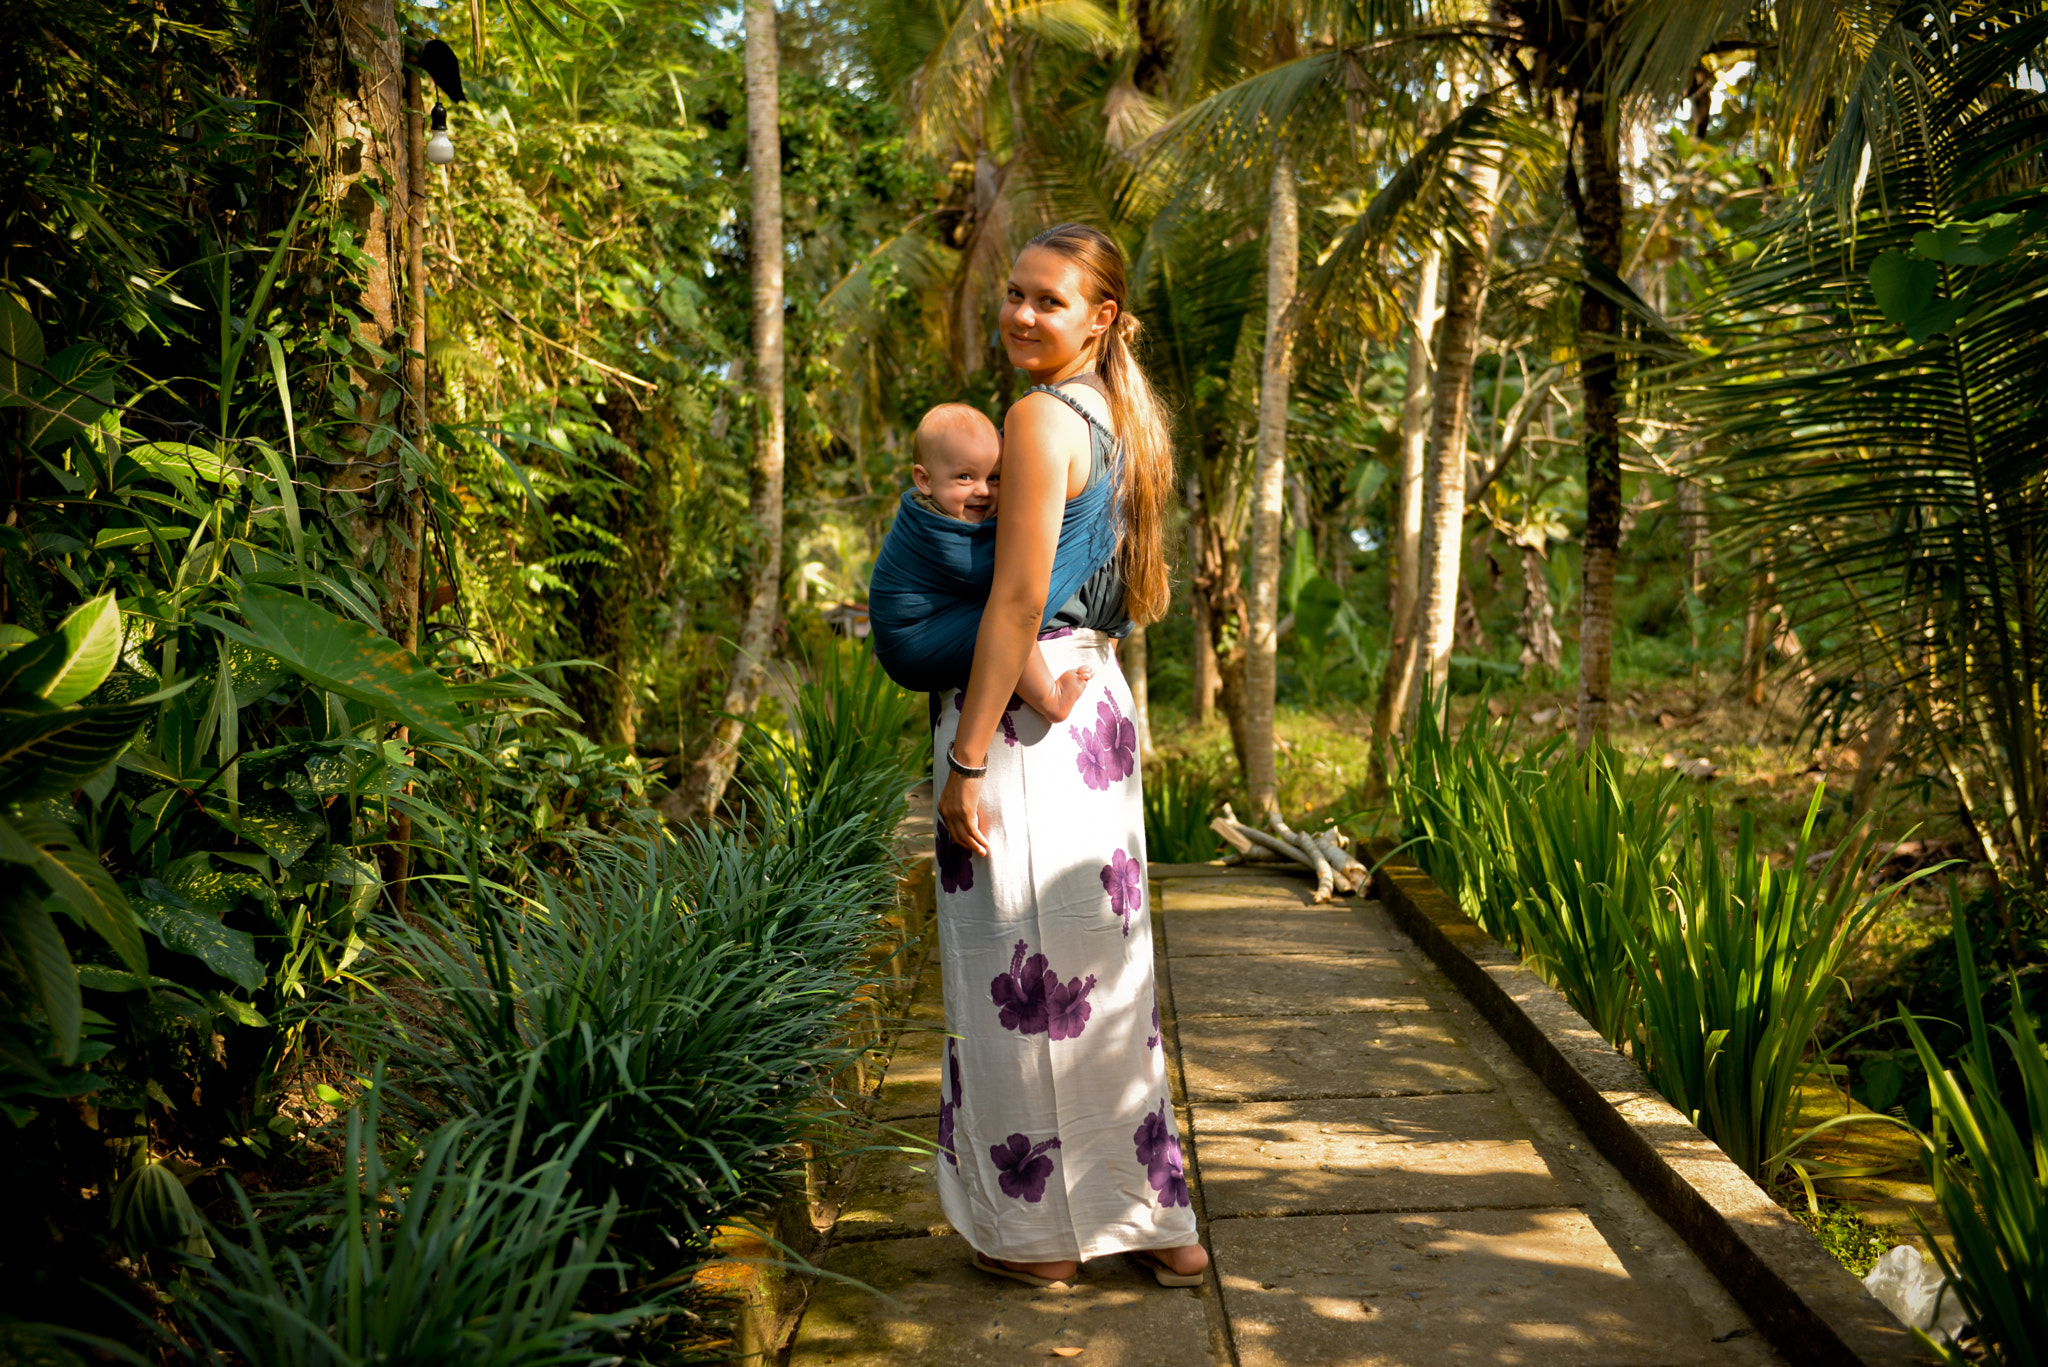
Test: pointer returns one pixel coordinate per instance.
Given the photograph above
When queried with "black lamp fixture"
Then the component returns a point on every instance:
(438, 60)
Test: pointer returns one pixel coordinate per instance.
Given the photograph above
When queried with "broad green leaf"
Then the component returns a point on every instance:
(100, 978)
(76, 391)
(273, 822)
(1904, 286)
(193, 882)
(109, 538)
(1939, 244)
(82, 885)
(244, 1013)
(21, 347)
(179, 461)
(1935, 319)
(344, 657)
(1952, 245)
(30, 939)
(230, 953)
(49, 753)
(254, 673)
(89, 647)
(346, 870)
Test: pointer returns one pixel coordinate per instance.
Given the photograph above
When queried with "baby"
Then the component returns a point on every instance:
(958, 474)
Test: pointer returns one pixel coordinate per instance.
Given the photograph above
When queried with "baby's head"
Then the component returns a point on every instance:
(957, 453)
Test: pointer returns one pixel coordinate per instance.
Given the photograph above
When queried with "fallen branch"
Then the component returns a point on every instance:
(1326, 877)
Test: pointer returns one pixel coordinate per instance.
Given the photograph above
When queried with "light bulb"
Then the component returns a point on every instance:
(441, 146)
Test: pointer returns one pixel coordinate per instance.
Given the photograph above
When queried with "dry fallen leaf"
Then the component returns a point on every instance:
(1065, 1352)
(1413, 981)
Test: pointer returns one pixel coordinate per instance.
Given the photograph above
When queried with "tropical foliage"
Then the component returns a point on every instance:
(1710, 965)
(380, 536)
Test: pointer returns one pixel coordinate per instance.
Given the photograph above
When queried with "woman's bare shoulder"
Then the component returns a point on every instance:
(1039, 427)
(1045, 414)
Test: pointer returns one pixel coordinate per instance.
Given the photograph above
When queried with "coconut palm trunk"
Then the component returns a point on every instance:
(708, 777)
(1443, 529)
(1399, 675)
(1598, 206)
(1269, 491)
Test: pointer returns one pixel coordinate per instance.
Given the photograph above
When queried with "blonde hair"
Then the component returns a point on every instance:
(950, 419)
(1145, 475)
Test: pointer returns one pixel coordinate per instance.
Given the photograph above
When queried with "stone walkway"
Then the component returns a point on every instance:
(1379, 1179)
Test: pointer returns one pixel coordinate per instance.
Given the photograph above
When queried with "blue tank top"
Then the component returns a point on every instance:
(1099, 604)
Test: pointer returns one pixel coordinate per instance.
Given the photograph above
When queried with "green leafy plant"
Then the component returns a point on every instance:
(1179, 802)
(52, 741)
(673, 1005)
(1989, 1169)
(1888, 466)
(1456, 795)
(1585, 850)
(448, 1254)
(847, 757)
(1713, 969)
(1736, 965)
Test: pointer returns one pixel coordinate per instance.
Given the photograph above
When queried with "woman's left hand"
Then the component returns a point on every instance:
(960, 809)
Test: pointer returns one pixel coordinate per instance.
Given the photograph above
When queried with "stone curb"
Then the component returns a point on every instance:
(1809, 1306)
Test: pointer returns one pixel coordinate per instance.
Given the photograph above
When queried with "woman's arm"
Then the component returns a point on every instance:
(1039, 434)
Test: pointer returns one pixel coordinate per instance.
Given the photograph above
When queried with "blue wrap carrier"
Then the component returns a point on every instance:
(933, 577)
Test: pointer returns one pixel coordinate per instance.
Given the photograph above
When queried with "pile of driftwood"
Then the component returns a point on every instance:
(1327, 853)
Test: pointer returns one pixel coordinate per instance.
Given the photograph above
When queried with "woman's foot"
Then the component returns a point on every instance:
(1181, 1266)
(1034, 1274)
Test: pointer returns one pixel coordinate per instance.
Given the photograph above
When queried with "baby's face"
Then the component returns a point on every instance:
(962, 477)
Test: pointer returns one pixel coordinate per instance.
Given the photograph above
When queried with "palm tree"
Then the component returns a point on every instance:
(1457, 347)
(1883, 428)
(1269, 480)
(1398, 676)
(705, 786)
(1609, 60)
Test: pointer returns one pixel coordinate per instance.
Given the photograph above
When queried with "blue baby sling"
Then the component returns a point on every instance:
(932, 580)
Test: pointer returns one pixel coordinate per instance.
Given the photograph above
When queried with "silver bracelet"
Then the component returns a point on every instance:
(961, 769)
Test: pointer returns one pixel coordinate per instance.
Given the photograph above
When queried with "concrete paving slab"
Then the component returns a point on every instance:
(1294, 985)
(1277, 930)
(1238, 894)
(1278, 1058)
(1533, 1288)
(911, 1086)
(1393, 1153)
(948, 1315)
(894, 1194)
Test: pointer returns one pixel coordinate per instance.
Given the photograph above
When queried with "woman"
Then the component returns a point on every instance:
(1056, 1126)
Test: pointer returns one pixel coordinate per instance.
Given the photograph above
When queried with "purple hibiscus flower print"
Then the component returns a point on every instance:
(947, 1108)
(956, 865)
(1023, 1166)
(1123, 878)
(1109, 749)
(1093, 760)
(1153, 1042)
(1158, 1145)
(1032, 1000)
(1066, 1007)
(1019, 994)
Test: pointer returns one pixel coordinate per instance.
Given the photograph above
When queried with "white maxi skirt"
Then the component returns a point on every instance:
(1057, 1135)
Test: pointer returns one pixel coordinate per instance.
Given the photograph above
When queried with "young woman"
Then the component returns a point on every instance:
(1057, 1133)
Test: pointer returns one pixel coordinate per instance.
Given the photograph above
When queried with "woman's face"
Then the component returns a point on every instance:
(1047, 319)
